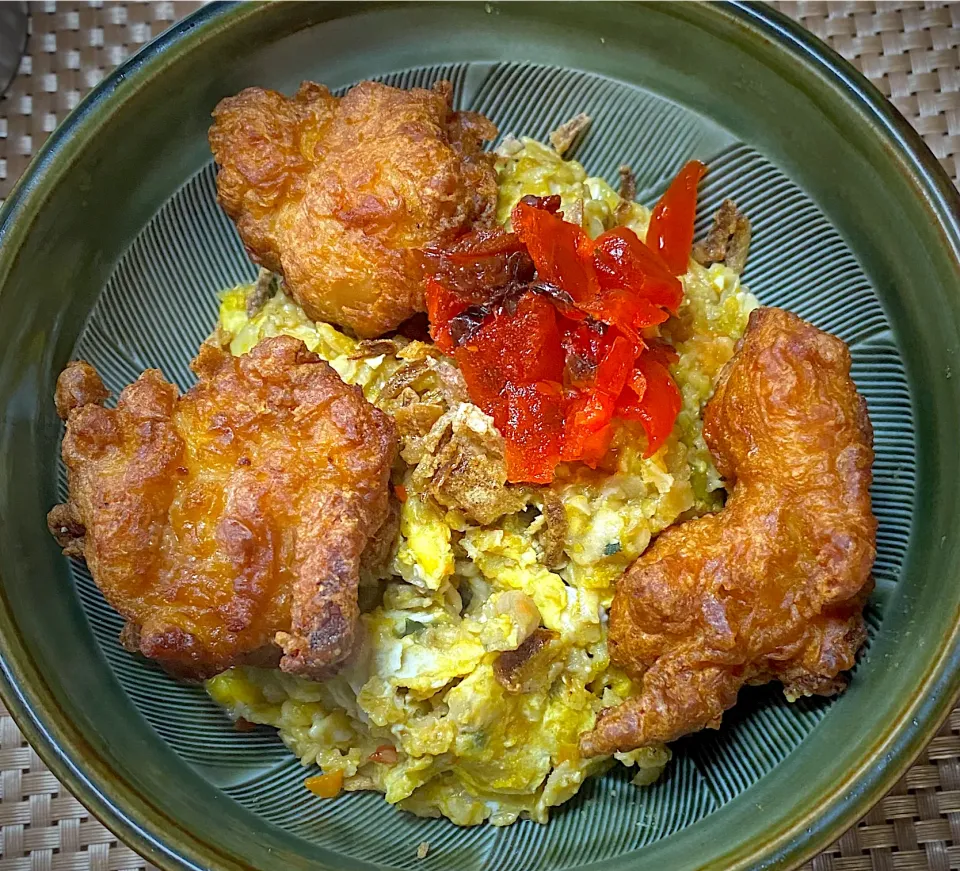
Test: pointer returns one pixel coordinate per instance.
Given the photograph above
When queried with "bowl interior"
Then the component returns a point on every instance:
(160, 303)
(142, 293)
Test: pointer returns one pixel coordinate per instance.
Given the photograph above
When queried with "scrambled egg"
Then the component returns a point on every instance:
(418, 714)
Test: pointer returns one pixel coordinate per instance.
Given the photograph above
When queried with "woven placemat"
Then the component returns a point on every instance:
(911, 51)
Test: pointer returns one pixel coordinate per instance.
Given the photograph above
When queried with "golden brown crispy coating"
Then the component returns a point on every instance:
(772, 587)
(78, 384)
(230, 521)
(340, 196)
(263, 143)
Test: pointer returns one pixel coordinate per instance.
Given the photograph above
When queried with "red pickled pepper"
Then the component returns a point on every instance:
(617, 279)
(589, 428)
(519, 348)
(556, 360)
(522, 347)
(651, 397)
(560, 250)
(583, 348)
(614, 370)
(621, 258)
(670, 232)
(442, 307)
(532, 426)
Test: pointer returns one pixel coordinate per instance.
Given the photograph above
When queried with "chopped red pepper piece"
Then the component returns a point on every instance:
(442, 306)
(588, 432)
(670, 233)
(584, 345)
(614, 369)
(592, 411)
(651, 397)
(622, 308)
(483, 383)
(555, 360)
(623, 261)
(586, 446)
(483, 243)
(532, 425)
(523, 346)
(561, 251)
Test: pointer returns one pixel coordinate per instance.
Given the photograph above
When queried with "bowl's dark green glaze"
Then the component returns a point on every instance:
(141, 134)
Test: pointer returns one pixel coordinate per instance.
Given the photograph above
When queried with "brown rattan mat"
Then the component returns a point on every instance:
(911, 51)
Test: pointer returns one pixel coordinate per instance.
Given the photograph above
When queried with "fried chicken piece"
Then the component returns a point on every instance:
(340, 196)
(772, 587)
(227, 525)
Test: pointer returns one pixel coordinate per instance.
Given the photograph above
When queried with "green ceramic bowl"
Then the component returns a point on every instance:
(112, 247)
